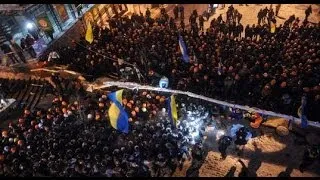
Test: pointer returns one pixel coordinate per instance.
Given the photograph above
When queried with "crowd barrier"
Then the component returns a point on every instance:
(130, 85)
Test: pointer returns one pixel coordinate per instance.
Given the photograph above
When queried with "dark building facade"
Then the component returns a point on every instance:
(42, 21)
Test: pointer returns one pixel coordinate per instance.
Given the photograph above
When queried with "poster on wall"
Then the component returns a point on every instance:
(62, 12)
(39, 46)
(44, 23)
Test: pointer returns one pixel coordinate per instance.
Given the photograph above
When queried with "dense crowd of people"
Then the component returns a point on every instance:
(268, 70)
(59, 141)
(74, 138)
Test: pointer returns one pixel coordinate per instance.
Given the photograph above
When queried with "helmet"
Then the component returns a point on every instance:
(122, 149)
(116, 151)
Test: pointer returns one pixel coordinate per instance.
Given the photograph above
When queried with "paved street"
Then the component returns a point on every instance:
(273, 155)
(250, 12)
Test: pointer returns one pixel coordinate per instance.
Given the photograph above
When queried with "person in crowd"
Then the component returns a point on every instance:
(252, 69)
(181, 11)
(148, 13)
(29, 42)
(308, 12)
(270, 16)
(224, 142)
(264, 14)
(311, 154)
(54, 57)
(278, 6)
(18, 50)
(53, 143)
(268, 73)
(50, 33)
(260, 16)
(201, 23)
(242, 137)
(23, 43)
(176, 12)
(9, 53)
(239, 30)
(239, 17)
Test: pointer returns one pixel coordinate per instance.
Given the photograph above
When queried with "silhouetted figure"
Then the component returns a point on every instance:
(18, 50)
(224, 142)
(50, 34)
(255, 162)
(277, 9)
(231, 172)
(181, 10)
(10, 54)
(29, 43)
(244, 170)
(310, 155)
(308, 12)
(260, 16)
(148, 13)
(242, 136)
(286, 173)
(201, 22)
(176, 12)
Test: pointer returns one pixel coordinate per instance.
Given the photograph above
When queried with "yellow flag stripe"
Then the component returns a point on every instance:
(119, 96)
(174, 113)
(114, 112)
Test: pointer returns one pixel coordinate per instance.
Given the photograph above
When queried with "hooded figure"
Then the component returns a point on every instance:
(224, 142)
(242, 136)
(311, 154)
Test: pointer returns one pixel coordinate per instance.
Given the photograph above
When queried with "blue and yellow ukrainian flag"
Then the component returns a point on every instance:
(183, 49)
(302, 112)
(172, 110)
(118, 116)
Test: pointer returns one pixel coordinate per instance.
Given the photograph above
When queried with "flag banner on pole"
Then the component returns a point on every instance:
(183, 50)
(89, 33)
(118, 116)
(172, 110)
(302, 112)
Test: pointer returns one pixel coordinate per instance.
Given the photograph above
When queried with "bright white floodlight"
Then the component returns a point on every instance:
(29, 26)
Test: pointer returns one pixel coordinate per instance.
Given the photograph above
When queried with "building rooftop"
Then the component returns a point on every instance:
(13, 9)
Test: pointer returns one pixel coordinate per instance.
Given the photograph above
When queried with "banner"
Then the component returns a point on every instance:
(61, 9)
(44, 23)
(39, 46)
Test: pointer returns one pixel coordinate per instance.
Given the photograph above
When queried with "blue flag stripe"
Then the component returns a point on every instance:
(183, 50)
